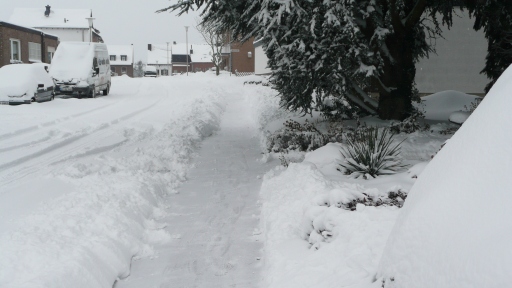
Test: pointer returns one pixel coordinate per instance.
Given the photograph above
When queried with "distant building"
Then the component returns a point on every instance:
(242, 57)
(121, 59)
(173, 57)
(21, 44)
(67, 24)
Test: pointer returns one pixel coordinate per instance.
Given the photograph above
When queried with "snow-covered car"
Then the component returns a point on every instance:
(25, 83)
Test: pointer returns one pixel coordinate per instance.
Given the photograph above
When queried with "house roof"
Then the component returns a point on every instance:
(27, 29)
(119, 50)
(178, 53)
(58, 18)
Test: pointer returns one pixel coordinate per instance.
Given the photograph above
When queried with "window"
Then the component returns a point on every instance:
(165, 72)
(123, 58)
(15, 50)
(123, 69)
(34, 52)
(112, 57)
(113, 69)
(51, 52)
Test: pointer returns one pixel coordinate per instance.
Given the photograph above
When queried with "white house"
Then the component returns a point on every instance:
(67, 24)
(121, 59)
(456, 65)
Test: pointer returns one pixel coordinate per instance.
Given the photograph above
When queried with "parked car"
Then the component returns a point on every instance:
(81, 69)
(150, 71)
(25, 83)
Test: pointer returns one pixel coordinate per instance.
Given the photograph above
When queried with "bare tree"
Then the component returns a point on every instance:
(138, 69)
(215, 39)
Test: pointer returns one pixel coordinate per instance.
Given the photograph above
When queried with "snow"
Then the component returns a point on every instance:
(58, 18)
(72, 60)
(156, 185)
(19, 79)
(440, 106)
(119, 50)
(83, 183)
(453, 229)
(459, 117)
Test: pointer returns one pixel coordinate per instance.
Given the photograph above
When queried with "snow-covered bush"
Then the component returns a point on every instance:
(371, 153)
(295, 136)
(410, 124)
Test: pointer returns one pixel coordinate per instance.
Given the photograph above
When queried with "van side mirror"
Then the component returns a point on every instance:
(40, 85)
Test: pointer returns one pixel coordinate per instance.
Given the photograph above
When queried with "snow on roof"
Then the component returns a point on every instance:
(119, 50)
(202, 52)
(58, 18)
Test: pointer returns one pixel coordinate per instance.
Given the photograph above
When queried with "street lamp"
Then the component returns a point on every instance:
(167, 58)
(90, 27)
(186, 37)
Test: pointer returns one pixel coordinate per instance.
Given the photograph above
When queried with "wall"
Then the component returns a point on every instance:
(79, 35)
(239, 56)
(6, 33)
(459, 60)
(260, 60)
(202, 66)
(118, 69)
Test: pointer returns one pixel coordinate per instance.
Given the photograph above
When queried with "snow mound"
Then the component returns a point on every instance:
(440, 106)
(454, 229)
(459, 117)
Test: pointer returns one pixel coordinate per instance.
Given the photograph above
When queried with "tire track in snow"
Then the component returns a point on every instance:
(27, 170)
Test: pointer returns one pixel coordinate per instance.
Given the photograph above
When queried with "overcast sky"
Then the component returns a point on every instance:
(124, 21)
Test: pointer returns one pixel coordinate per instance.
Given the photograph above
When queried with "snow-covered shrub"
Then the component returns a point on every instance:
(296, 136)
(371, 153)
(473, 105)
(410, 124)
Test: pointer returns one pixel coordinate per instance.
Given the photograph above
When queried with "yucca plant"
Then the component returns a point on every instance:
(370, 153)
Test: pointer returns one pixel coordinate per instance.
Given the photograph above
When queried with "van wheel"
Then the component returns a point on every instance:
(107, 90)
(92, 94)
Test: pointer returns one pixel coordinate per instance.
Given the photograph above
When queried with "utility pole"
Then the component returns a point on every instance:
(167, 58)
(186, 37)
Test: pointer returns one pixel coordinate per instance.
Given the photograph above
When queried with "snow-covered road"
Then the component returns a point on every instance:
(90, 189)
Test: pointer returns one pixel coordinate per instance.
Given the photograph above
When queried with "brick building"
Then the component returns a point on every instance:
(20, 44)
(242, 56)
(121, 59)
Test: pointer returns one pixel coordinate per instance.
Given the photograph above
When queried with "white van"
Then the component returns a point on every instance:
(81, 69)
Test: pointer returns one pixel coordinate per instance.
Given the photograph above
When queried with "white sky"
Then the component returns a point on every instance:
(125, 21)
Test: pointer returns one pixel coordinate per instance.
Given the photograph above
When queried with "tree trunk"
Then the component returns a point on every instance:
(217, 72)
(395, 102)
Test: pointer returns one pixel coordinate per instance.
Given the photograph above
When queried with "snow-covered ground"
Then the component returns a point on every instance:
(156, 185)
(85, 184)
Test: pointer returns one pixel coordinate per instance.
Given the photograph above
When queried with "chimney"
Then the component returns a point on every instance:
(47, 12)
(191, 50)
(149, 47)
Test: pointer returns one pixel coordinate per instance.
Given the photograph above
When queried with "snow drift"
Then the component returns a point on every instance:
(455, 228)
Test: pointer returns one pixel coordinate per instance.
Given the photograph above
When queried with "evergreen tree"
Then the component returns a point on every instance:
(495, 17)
(138, 69)
(336, 49)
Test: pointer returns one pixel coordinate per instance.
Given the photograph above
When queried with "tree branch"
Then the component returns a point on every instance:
(415, 15)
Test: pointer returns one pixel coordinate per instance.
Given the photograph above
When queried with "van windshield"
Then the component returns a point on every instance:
(72, 61)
